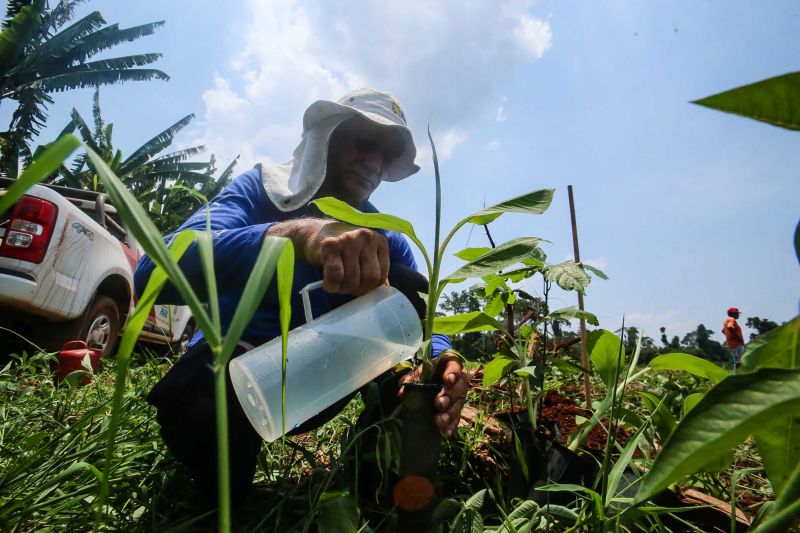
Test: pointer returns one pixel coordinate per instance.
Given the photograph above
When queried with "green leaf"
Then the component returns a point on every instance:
(569, 275)
(534, 203)
(594, 270)
(605, 350)
(691, 364)
(497, 369)
(779, 447)
(148, 236)
(691, 401)
(475, 501)
(622, 463)
(493, 282)
(468, 254)
(39, 169)
(273, 249)
(775, 101)
(341, 211)
(568, 313)
(338, 513)
(498, 258)
(662, 417)
(466, 323)
(779, 348)
(738, 406)
(495, 306)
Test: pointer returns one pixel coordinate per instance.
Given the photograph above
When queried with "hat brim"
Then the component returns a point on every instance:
(400, 168)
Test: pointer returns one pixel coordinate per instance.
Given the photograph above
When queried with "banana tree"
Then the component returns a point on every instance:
(40, 55)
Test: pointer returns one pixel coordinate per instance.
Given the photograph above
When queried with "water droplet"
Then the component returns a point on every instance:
(251, 399)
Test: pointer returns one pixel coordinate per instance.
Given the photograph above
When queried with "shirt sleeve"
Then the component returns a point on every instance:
(237, 231)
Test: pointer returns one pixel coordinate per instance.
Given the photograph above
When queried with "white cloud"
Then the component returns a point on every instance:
(533, 35)
(446, 60)
(500, 116)
(493, 145)
(449, 141)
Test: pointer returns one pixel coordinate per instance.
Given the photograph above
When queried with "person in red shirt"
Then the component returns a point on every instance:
(733, 336)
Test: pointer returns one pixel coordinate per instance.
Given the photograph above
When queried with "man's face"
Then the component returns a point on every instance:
(358, 151)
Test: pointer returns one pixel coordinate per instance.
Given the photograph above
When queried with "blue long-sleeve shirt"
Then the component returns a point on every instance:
(240, 216)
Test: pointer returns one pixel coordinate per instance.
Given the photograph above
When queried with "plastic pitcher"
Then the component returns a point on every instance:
(328, 358)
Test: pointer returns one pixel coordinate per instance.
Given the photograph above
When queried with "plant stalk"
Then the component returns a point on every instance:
(223, 467)
(587, 392)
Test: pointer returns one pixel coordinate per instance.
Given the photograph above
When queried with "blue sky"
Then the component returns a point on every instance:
(688, 210)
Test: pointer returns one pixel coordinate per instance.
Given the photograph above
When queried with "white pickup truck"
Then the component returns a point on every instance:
(66, 272)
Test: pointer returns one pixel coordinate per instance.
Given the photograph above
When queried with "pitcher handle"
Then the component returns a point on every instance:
(307, 301)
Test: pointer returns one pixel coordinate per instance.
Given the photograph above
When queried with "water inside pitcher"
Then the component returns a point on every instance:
(328, 358)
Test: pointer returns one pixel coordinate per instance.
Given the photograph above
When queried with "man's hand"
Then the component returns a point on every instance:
(354, 260)
(451, 400)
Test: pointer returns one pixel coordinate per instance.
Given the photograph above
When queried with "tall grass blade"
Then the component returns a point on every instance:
(129, 338)
(42, 166)
(151, 240)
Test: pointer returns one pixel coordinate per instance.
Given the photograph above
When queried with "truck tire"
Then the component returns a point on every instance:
(101, 325)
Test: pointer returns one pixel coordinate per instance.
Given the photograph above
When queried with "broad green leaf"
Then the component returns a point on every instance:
(568, 313)
(497, 369)
(534, 203)
(594, 270)
(779, 348)
(691, 364)
(341, 211)
(606, 352)
(775, 101)
(468, 254)
(779, 447)
(524, 510)
(569, 275)
(691, 401)
(476, 500)
(662, 417)
(338, 513)
(493, 282)
(495, 306)
(528, 371)
(446, 509)
(738, 406)
(39, 169)
(466, 323)
(498, 258)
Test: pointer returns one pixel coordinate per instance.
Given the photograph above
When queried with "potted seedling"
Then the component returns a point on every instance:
(420, 445)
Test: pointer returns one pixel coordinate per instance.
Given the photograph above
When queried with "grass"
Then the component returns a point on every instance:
(52, 444)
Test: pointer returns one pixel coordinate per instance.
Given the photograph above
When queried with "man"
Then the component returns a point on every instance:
(347, 149)
(733, 336)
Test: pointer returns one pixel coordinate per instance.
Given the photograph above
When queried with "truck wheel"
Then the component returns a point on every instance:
(101, 325)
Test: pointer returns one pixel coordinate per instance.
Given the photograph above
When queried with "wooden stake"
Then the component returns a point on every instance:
(584, 353)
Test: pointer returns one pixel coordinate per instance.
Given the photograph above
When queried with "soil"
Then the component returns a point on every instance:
(557, 417)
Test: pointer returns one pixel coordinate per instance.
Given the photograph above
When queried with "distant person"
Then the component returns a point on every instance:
(733, 336)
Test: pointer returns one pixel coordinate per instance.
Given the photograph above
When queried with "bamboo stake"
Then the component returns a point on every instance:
(584, 354)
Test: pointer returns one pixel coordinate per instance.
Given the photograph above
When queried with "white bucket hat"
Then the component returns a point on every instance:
(292, 184)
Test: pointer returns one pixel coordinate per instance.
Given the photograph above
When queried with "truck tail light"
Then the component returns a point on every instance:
(29, 230)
